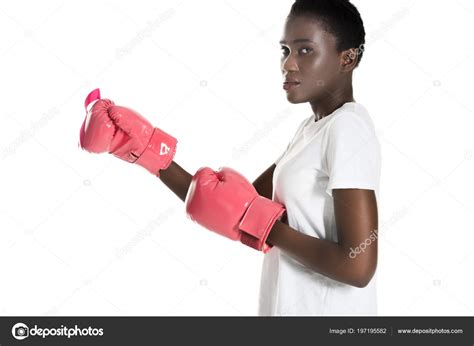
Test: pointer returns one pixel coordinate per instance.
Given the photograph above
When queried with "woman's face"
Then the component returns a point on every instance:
(309, 56)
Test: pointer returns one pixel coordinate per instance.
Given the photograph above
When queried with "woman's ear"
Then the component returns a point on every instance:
(349, 60)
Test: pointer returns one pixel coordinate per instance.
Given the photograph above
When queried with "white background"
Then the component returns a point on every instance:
(84, 234)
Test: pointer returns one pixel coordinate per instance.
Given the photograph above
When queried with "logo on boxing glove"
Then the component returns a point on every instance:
(164, 149)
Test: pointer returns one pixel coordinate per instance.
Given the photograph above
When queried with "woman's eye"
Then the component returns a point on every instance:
(307, 49)
(302, 51)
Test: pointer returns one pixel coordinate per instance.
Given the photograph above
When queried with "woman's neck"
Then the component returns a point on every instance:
(333, 101)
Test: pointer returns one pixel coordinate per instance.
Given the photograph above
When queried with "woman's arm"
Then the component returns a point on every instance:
(177, 179)
(263, 184)
(356, 221)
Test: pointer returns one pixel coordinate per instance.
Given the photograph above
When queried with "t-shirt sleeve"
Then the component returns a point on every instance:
(353, 154)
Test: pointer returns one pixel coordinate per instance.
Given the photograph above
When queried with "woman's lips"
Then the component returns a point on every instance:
(290, 85)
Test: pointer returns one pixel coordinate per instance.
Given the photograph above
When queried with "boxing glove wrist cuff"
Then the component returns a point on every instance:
(159, 152)
(258, 221)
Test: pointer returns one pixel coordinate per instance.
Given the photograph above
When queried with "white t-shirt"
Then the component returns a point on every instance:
(340, 150)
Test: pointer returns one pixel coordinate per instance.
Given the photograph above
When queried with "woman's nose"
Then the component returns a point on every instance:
(289, 64)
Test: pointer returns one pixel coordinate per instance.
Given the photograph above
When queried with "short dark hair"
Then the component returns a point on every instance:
(338, 17)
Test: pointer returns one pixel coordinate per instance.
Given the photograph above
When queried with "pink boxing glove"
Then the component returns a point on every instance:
(126, 134)
(225, 202)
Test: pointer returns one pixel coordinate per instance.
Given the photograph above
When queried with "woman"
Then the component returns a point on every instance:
(314, 211)
(328, 177)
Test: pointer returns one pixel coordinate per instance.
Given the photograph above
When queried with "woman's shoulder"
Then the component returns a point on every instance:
(351, 116)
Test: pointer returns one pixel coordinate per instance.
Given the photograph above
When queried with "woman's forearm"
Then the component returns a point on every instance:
(177, 179)
(325, 257)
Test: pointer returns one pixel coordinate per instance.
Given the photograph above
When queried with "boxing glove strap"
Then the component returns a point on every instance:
(258, 221)
(93, 96)
(159, 152)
